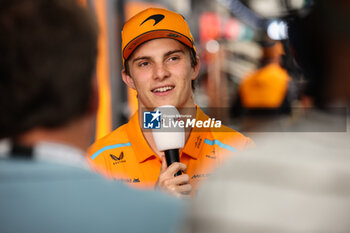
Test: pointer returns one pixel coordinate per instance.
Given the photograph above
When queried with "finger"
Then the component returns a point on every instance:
(180, 190)
(183, 179)
(177, 180)
(175, 167)
(184, 189)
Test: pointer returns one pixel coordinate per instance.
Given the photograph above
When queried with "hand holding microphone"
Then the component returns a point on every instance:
(170, 140)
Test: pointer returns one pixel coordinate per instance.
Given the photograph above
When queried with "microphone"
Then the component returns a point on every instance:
(170, 138)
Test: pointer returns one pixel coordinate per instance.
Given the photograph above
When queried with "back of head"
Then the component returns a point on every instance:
(272, 51)
(47, 58)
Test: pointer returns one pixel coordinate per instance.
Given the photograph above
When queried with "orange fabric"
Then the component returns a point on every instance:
(266, 88)
(104, 114)
(154, 23)
(124, 154)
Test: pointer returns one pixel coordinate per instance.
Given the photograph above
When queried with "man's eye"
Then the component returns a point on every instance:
(143, 63)
(173, 58)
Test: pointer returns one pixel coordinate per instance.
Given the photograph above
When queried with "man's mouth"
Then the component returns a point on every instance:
(163, 89)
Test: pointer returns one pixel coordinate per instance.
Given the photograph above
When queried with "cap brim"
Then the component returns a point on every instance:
(157, 34)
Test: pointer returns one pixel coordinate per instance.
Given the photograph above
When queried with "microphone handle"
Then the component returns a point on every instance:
(172, 156)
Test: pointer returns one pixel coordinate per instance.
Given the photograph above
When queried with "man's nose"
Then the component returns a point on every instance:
(161, 72)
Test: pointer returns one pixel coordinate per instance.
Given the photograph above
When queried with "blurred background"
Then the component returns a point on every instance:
(247, 69)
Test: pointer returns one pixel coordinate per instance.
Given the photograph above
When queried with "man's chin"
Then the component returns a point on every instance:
(156, 105)
(165, 102)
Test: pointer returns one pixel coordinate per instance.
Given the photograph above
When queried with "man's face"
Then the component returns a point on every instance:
(161, 73)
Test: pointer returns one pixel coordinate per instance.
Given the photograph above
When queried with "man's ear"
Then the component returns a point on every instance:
(128, 80)
(196, 69)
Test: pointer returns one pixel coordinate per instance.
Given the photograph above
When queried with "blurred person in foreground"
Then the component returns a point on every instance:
(160, 63)
(295, 182)
(48, 101)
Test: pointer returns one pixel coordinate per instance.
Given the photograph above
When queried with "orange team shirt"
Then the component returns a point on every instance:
(265, 88)
(125, 154)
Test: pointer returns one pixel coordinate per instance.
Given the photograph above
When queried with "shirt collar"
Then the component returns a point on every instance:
(142, 149)
(197, 136)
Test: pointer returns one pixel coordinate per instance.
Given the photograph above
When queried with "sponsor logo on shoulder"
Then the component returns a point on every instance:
(121, 156)
(118, 159)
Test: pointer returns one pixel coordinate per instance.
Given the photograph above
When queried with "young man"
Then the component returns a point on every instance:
(160, 63)
(48, 103)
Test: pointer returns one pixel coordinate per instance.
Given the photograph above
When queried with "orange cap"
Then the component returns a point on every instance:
(154, 23)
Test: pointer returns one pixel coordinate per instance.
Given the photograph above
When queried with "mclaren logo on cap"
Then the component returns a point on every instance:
(157, 18)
